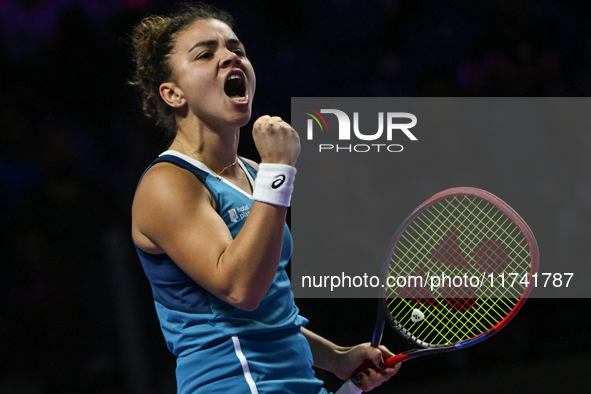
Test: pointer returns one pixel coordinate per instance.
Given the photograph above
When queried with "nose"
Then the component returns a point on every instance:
(231, 60)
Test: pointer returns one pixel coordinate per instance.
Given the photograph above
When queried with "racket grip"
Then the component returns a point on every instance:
(349, 388)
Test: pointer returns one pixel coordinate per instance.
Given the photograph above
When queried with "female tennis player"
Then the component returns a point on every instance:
(209, 227)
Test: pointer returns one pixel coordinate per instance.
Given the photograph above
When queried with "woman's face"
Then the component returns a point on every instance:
(210, 67)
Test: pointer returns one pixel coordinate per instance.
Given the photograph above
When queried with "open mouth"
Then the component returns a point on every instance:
(235, 87)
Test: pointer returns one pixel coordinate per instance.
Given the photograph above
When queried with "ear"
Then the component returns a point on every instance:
(172, 94)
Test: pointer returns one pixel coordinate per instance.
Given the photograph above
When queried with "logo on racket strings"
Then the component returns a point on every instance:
(278, 181)
(417, 316)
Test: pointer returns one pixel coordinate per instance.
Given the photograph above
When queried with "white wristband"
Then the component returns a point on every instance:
(274, 184)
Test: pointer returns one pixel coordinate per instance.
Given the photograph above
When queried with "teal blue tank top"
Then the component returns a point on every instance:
(190, 317)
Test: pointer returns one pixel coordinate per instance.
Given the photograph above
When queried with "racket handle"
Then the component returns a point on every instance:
(349, 388)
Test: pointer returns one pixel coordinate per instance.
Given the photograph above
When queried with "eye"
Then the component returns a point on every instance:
(205, 56)
(239, 52)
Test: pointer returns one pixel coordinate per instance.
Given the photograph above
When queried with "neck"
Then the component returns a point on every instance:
(218, 151)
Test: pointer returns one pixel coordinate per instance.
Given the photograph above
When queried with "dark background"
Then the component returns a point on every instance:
(76, 314)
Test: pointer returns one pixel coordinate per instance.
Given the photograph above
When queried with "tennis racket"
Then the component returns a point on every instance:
(456, 271)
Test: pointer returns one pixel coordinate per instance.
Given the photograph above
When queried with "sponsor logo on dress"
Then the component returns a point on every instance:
(238, 213)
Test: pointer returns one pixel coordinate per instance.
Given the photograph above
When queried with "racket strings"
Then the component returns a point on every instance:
(462, 253)
(445, 326)
(417, 242)
(496, 221)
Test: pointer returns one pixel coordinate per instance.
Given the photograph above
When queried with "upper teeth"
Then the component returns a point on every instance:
(235, 76)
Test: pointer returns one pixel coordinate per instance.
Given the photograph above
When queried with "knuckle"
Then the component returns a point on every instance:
(258, 125)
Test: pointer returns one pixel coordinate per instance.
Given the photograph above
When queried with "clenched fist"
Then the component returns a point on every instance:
(275, 140)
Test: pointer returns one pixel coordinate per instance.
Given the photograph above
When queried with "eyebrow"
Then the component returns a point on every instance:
(210, 43)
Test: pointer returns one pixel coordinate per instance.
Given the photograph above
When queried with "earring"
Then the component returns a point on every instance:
(180, 101)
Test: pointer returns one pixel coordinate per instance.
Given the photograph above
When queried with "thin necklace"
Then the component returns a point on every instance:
(218, 175)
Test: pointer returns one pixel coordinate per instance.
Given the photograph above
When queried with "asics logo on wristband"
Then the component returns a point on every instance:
(274, 184)
(278, 181)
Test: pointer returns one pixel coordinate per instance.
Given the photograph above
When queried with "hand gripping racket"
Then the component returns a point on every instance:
(456, 271)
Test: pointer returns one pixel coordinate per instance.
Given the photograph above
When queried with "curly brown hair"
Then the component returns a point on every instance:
(153, 39)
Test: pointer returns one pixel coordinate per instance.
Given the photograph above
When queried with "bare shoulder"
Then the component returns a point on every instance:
(164, 196)
(166, 183)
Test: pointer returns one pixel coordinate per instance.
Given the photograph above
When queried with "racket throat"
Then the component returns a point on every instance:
(377, 333)
(378, 330)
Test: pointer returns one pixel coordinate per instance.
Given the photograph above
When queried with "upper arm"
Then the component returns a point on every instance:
(173, 213)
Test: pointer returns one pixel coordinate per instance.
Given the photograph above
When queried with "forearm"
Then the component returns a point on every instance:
(257, 248)
(250, 261)
(326, 354)
(345, 361)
